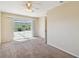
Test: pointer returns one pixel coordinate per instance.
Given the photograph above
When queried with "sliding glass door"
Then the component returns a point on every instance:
(22, 29)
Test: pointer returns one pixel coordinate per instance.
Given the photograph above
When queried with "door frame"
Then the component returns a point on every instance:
(46, 29)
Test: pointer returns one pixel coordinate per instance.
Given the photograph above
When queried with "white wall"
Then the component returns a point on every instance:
(35, 27)
(63, 27)
(0, 27)
(42, 27)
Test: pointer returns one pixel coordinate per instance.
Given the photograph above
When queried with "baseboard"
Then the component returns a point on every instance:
(65, 51)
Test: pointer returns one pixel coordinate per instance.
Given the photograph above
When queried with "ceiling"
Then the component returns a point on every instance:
(39, 8)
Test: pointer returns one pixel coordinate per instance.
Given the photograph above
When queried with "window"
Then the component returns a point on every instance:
(20, 26)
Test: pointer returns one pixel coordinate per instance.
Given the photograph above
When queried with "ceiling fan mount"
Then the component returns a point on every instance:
(30, 6)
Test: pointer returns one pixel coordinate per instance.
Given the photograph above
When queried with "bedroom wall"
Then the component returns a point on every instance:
(0, 27)
(63, 27)
(36, 27)
(42, 27)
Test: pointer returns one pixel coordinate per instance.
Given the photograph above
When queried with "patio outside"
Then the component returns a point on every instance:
(22, 30)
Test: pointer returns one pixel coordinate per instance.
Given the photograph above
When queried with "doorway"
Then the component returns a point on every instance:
(23, 30)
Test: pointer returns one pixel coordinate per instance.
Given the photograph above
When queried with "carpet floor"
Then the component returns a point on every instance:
(31, 49)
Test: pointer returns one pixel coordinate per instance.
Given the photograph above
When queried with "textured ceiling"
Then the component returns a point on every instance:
(39, 8)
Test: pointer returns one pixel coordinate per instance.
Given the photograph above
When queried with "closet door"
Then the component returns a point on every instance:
(7, 29)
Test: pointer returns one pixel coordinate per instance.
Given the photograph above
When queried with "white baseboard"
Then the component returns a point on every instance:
(65, 50)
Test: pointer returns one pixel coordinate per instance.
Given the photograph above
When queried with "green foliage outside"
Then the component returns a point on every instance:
(22, 26)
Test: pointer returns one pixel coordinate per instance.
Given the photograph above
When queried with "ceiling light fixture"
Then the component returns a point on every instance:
(29, 6)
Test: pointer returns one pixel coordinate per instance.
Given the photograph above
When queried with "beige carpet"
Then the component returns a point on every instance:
(31, 49)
